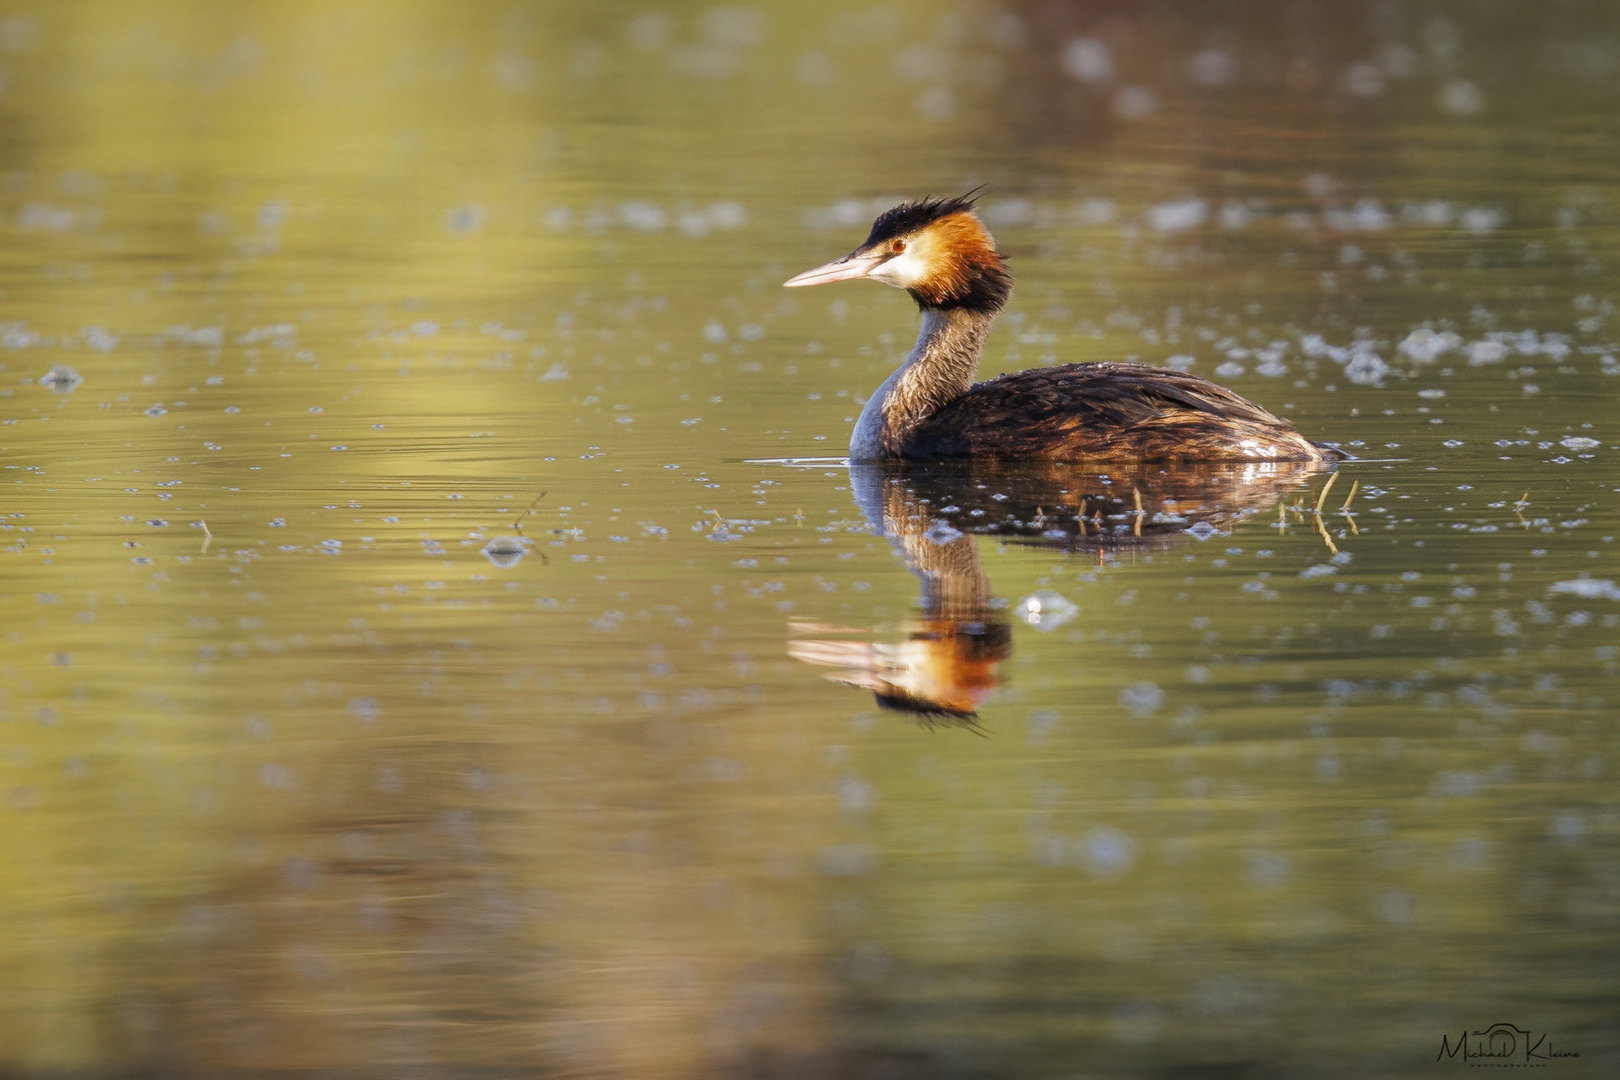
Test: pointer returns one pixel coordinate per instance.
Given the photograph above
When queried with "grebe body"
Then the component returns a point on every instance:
(929, 408)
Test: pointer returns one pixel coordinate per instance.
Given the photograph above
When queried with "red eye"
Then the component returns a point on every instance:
(897, 246)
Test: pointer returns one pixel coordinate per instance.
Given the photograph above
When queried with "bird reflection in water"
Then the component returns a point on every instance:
(946, 665)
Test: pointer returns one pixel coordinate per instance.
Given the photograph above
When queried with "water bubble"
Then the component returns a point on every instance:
(1095, 211)
(855, 796)
(1046, 610)
(1088, 60)
(272, 775)
(1587, 589)
(1177, 215)
(1271, 367)
(1363, 80)
(1397, 907)
(1458, 784)
(1212, 67)
(465, 219)
(1142, 699)
(705, 61)
(816, 69)
(922, 62)
(1137, 1022)
(1008, 33)
(1203, 530)
(1567, 827)
(728, 214)
(1366, 368)
(846, 860)
(1234, 215)
(507, 551)
(14, 336)
(942, 533)
(650, 31)
(1460, 97)
(1365, 216)
(98, 338)
(272, 214)
(1269, 871)
(1134, 102)
(936, 104)
(733, 27)
(1108, 851)
(642, 216)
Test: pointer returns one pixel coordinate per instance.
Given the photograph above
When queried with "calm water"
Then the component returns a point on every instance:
(440, 638)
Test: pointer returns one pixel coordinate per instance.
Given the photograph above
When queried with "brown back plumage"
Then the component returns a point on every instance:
(1108, 412)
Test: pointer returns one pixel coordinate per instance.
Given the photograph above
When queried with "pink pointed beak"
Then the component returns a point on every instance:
(853, 265)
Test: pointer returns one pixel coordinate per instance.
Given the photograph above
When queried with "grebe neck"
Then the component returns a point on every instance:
(938, 370)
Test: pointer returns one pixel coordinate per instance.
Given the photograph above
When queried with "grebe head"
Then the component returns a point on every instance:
(936, 249)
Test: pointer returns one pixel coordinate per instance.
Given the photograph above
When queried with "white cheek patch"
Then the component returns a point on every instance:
(903, 271)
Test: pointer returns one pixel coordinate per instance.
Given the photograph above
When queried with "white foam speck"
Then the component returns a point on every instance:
(1134, 102)
(1180, 214)
(1587, 589)
(1460, 97)
(1088, 60)
(1423, 345)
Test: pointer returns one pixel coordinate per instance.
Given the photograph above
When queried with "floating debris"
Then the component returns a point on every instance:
(61, 379)
(1322, 498)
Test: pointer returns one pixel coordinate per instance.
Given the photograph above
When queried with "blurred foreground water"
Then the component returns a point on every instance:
(440, 638)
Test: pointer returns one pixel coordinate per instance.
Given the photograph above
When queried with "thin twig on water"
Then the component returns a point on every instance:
(1322, 498)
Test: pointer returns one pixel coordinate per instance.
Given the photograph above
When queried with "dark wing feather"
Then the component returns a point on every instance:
(1104, 412)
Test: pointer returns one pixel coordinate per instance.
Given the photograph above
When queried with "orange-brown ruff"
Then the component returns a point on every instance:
(939, 252)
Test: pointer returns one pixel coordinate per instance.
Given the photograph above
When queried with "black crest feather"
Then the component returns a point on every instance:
(908, 217)
(981, 282)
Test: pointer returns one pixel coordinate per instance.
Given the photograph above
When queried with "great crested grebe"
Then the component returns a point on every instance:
(939, 252)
